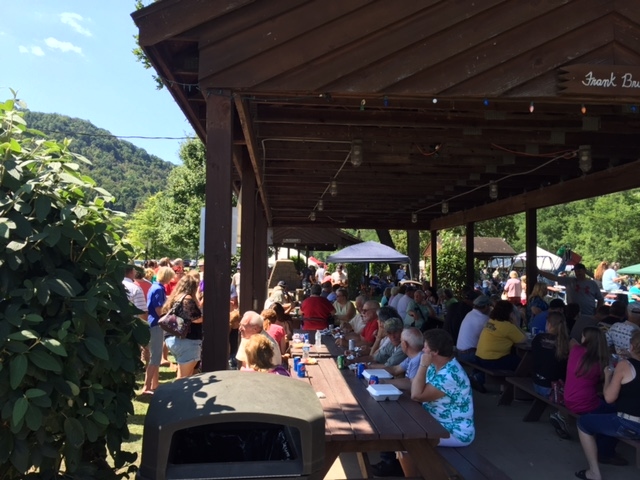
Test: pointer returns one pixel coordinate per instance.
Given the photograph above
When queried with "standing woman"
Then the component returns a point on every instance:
(345, 310)
(622, 387)
(155, 300)
(599, 272)
(513, 288)
(186, 350)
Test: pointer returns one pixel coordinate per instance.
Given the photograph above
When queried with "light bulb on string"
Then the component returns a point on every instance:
(312, 216)
(435, 100)
(333, 188)
(320, 205)
(363, 102)
(583, 109)
(531, 107)
(445, 207)
(414, 218)
(356, 153)
(584, 158)
(493, 190)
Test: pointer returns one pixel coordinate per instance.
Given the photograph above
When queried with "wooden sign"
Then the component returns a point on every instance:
(600, 80)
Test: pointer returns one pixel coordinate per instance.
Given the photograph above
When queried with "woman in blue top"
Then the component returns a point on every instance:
(155, 300)
(443, 388)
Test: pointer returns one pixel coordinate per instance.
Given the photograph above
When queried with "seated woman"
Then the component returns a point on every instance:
(187, 350)
(496, 340)
(345, 310)
(272, 328)
(537, 301)
(260, 356)
(443, 388)
(283, 319)
(622, 386)
(550, 351)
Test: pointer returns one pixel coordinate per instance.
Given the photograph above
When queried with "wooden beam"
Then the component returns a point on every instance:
(531, 240)
(470, 247)
(601, 183)
(254, 151)
(260, 260)
(217, 246)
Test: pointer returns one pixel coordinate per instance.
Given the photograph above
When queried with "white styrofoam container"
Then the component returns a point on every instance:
(383, 391)
(379, 372)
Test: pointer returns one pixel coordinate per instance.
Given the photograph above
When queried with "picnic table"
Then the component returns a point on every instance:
(357, 423)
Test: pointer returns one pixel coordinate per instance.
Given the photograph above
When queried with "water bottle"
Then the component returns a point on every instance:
(318, 340)
(305, 351)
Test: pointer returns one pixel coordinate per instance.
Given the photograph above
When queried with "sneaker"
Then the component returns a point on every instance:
(560, 425)
(387, 469)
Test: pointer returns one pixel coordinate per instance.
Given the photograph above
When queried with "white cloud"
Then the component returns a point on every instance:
(73, 20)
(56, 44)
(37, 51)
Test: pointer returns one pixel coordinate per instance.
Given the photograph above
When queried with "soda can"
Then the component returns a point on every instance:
(360, 370)
(340, 361)
(296, 362)
(306, 337)
(301, 370)
(352, 344)
(373, 380)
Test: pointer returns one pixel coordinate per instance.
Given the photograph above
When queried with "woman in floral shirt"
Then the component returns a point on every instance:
(443, 387)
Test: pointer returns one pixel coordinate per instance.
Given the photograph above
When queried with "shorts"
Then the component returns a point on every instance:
(609, 424)
(184, 350)
(155, 346)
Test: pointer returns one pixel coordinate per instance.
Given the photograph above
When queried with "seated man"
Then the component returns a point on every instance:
(281, 296)
(539, 321)
(420, 312)
(389, 353)
(471, 327)
(356, 324)
(411, 342)
(366, 339)
(619, 335)
(252, 324)
(316, 310)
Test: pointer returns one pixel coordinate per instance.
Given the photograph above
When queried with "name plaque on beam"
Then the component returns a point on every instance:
(602, 80)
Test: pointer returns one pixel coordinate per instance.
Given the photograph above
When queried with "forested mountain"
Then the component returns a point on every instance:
(129, 173)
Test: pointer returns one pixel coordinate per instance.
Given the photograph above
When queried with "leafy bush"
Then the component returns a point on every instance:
(69, 340)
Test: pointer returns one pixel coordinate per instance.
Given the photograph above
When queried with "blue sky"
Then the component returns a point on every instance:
(73, 57)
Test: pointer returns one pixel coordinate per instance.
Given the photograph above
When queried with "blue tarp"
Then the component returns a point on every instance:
(368, 252)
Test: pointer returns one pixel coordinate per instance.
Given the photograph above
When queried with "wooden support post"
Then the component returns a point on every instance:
(531, 238)
(470, 246)
(217, 246)
(260, 259)
(413, 249)
(434, 259)
(247, 234)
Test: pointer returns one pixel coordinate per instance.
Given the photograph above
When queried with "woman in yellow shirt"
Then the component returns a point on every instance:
(496, 340)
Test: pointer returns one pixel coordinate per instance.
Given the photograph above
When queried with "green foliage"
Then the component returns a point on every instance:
(128, 172)
(355, 272)
(69, 340)
(451, 261)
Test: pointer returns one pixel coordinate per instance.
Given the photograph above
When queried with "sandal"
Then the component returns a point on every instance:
(582, 474)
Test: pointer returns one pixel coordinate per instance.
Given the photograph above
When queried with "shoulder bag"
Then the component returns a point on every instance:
(174, 324)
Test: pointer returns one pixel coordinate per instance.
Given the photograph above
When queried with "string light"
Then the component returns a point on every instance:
(493, 190)
(333, 188)
(445, 207)
(435, 100)
(320, 205)
(531, 107)
(312, 216)
(583, 109)
(414, 218)
(356, 153)
(363, 102)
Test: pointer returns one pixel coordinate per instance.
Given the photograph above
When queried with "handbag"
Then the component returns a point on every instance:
(174, 324)
(557, 392)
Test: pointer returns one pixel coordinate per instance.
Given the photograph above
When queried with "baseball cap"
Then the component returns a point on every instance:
(482, 301)
(282, 283)
(393, 325)
(200, 262)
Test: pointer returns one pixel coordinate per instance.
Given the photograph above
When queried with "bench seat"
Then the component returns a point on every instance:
(499, 376)
(540, 403)
(466, 463)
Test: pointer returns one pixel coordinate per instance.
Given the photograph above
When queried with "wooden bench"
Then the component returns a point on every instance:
(466, 463)
(499, 376)
(540, 403)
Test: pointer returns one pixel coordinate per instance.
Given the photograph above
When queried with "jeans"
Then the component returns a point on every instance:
(544, 391)
(607, 428)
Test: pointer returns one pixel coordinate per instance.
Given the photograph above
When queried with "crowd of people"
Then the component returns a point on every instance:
(420, 333)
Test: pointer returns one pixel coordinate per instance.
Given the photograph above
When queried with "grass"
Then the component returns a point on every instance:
(140, 406)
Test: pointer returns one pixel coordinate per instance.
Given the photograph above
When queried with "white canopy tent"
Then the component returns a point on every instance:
(546, 261)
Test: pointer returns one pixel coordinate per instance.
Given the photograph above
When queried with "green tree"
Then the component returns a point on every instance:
(451, 261)
(69, 340)
(146, 229)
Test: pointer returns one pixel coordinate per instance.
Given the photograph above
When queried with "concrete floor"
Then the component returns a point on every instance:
(524, 451)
